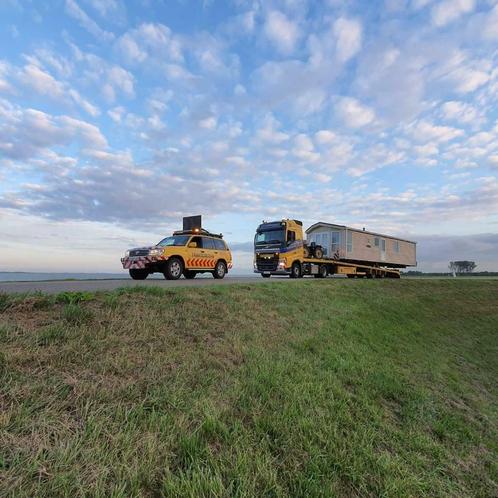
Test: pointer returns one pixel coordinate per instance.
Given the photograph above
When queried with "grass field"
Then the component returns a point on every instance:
(319, 388)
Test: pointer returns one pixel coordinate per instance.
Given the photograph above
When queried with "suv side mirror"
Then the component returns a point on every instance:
(192, 244)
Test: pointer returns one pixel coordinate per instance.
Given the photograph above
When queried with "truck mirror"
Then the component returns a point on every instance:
(192, 244)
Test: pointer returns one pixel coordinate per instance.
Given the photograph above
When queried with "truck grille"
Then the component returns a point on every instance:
(139, 252)
(267, 263)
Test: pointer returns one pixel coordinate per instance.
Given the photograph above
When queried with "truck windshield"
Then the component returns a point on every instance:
(269, 237)
(176, 240)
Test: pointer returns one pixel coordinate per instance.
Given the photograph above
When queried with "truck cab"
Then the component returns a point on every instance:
(277, 245)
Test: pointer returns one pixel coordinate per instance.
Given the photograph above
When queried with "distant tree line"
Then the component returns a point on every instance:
(463, 268)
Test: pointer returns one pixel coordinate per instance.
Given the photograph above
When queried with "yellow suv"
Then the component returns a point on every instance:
(186, 252)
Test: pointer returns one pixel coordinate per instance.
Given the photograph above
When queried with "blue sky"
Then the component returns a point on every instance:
(118, 118)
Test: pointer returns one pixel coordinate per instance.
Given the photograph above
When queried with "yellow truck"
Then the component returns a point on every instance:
(281, 249)
(187, 252)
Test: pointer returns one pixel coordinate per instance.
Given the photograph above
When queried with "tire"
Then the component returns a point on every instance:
(220, 270)
(265, 276)
(174, 269)
(296, 271)
(189, 274)
(323, 271)
(318, 252)
(137, 274)
(306, 252)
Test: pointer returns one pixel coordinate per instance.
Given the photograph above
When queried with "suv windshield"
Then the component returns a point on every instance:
(270, 237)
(176, 240)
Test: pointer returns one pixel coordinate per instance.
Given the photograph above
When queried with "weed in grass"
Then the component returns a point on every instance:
(75, 314)
(4, 301)
(111, 300)
(3, 363)
(73, 297)
(53, 334)
(4, 333)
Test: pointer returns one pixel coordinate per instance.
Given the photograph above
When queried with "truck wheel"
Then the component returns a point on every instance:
(174, 269)
(189, 274)
(296, 271)
(265, 276)
(220, 270)
(138, 274)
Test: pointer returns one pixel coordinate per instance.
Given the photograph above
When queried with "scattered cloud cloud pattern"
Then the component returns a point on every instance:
(125, 119)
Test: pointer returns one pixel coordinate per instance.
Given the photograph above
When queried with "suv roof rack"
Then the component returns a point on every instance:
(198, 231)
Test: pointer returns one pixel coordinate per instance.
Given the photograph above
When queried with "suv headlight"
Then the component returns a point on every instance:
(155, 252)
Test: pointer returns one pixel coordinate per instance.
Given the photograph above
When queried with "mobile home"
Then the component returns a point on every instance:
(361, 246)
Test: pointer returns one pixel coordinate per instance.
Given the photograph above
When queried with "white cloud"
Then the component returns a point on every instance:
(269, 132)
(76, 12)
(353, 113)
(281, 31)
(28, 133)
(150, 40)
(208, 123)
(489, 28)
(460, 112)
(424, 131)
(303, 149)
(104, 7)
(45, 84)
(349, 36)
(41, 81)
(4, 72)
(324, 137)
(448, 11)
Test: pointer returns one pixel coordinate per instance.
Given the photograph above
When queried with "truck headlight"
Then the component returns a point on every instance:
(155, 252)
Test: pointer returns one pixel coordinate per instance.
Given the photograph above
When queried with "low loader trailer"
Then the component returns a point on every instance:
(280, 249)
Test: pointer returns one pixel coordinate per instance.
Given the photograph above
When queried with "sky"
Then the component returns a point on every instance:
(118, 118)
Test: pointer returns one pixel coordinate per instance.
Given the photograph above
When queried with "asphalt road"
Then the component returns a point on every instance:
(56, 286)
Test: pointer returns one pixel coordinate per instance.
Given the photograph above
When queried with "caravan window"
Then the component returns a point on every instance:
(396, 245)
(350, 241)
(335, 244)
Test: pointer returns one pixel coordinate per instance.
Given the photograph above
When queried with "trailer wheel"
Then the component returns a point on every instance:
(174, 269)
(296, 271)
(322, 272)
(138, 274)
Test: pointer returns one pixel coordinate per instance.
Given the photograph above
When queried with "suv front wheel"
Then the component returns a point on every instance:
(138, 274)
(220, 270)
(174, 269)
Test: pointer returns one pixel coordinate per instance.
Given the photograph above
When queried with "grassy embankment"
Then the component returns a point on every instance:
(317, 388)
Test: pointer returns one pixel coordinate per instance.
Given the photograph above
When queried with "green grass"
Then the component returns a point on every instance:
(313, 388)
